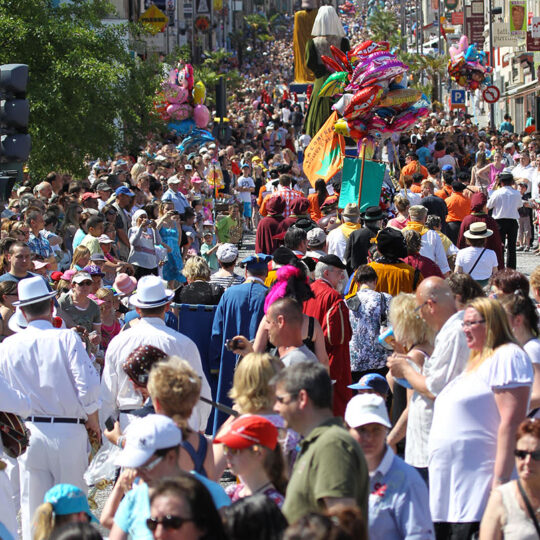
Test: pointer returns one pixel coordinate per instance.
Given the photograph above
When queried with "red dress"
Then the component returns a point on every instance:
(330, 310)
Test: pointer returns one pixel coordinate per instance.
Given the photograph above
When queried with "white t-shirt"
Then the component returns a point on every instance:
(245, 182)
(304, 141)
(466, 258)
(532, 348)
(463, 436)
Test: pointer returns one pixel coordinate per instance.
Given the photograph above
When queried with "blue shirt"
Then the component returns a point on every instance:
(178, 199)
(398, 502)
(134, 509)
(423, 154)
(40, 246)
(507, 126)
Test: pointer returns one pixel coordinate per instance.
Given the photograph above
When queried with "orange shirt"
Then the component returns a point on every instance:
(445, 192)
(459, 207)
(314, 209)
(416, 188)
(414, 167)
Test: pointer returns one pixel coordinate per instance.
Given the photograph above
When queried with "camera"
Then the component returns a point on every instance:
(232, 344)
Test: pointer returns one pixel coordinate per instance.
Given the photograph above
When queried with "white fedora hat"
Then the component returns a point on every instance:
(151, 292)
(33, 290)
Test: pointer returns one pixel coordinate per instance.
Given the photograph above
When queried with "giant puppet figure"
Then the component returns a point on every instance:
(303, 23)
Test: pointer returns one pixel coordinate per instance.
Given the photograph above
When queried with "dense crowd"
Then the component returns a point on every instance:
(363, 373)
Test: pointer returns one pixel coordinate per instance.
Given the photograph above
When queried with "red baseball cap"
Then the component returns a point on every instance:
(89, 195)
(248, 430)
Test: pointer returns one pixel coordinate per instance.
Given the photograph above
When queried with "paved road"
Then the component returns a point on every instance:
(527, 262)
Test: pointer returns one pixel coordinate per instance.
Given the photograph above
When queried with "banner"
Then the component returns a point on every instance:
(518, 19)
(323, 157)
(371, 183)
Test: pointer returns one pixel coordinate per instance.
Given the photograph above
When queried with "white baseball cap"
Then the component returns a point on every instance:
(145, 436)
(366, 409)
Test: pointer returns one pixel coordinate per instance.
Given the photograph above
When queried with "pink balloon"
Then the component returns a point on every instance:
(201, 115)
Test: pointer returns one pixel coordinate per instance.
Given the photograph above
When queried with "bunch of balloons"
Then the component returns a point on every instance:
(181, 101)
(374, 104)
(467, 66)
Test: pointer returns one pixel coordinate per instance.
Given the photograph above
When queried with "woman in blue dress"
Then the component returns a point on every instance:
(169, 227)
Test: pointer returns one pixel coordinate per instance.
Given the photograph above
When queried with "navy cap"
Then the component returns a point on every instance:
(372, 381)
(124, 190)
(257, 260)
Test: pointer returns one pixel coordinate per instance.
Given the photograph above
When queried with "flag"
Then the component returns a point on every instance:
(371, 183)
(323, 157)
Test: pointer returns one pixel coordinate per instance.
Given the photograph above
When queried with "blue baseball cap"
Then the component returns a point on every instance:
(68, 499)
(447, 168)
(372, 381)
(123, 190)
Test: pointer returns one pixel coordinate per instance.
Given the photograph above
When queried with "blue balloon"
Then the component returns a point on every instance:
(183, 127)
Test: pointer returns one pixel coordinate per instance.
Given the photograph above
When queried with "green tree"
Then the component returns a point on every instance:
(426, 70)
(384, 26)
(259, 28)
(211, 69)
(88, 95)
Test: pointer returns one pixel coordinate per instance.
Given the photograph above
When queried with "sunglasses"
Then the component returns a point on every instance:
(522, 454)
(84, 284)
(168, 522)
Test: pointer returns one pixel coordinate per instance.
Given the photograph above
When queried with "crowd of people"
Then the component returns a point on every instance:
(362, 373)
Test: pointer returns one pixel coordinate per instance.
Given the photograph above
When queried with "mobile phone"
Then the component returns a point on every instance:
(109, 423)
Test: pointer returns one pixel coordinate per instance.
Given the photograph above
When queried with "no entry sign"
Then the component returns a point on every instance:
(491, 94)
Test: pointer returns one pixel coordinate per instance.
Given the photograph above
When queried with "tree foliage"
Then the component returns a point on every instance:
(384, 26)
(88, 95)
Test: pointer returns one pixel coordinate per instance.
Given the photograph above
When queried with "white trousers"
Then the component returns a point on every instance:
(57, 454)
(8, 513)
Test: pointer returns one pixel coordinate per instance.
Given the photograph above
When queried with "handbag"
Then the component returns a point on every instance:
(15, 435)
(476, 262)
(529, 507)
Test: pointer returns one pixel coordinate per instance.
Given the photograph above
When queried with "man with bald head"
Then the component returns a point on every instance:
(436, 305)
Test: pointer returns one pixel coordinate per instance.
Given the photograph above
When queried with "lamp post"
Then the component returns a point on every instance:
(439, 46)
(491, 61)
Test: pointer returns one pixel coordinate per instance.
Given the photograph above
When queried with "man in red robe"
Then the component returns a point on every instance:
(268, 227)
(330, 310)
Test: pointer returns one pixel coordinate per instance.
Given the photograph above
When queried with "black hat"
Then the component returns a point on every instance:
(304, 223)
(373, 213)
(333, 260)
(458, 186)
(391, 243)
(283, 255)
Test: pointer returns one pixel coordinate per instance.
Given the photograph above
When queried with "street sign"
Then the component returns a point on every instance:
(154, 19)
(535, 27)
(502, 36)
(474, 22)
(203, 7)
(457, 99)
(491, 94)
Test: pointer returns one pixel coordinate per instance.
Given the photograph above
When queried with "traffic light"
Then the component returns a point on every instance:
(15, 143)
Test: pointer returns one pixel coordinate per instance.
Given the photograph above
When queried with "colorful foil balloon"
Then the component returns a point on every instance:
(370, 99)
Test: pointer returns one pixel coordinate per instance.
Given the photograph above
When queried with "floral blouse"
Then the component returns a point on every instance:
(365, 350)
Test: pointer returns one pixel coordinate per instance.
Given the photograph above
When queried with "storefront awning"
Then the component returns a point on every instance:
(522, 90)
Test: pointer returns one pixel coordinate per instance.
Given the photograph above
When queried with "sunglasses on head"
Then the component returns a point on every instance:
(522, 454)
(168, 522)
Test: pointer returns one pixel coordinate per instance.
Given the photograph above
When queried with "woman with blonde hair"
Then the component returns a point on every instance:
(199, 290)
(62, 504)
(413, 337)
(175, 388)
(402, 206)
(475, 420)
(253, 393)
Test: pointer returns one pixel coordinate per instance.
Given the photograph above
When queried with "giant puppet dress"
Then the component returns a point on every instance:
(319, 107)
